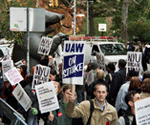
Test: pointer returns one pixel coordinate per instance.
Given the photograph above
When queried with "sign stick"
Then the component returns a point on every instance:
(73, 87)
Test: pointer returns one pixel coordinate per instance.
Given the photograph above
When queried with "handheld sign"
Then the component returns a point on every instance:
(13, 76)
(142, 111)
(47, 98)
(73, 66)
(101, 61)
(22, 97)
(18, 64)
(41, 75)
(6, 66)
(45, 45)
(134, 61)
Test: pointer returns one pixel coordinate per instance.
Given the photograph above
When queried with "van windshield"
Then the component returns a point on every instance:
(113, 49)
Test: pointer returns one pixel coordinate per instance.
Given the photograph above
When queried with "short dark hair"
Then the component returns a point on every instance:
(65, 87)
(122, 63)
(132, 73)
(130, 94)
(102, 83)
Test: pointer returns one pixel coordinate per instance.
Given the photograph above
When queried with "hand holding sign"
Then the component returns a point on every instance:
(51, 116)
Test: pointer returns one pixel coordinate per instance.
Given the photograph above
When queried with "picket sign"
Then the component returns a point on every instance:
(73, 65)
(45, 45)
(41, 75)
(46, 95)
(142, 111)
(134, 61)
(13, 76)
(22, 97)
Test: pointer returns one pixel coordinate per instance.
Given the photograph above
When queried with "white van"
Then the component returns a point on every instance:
(109, 46)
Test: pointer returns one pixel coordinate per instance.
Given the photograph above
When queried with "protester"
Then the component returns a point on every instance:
(129, 116)
(99, 78)
(118, 79)
(52, 75)
(135, 83)
(120, 104)
(10, 99)
(23, 69)
(130, 47)
(58, 89)
(1, 81)
(33, 113)
(24, 62)
(110, 68)
(51, 62)
(59, 117)
(101, 107)
(145, 88)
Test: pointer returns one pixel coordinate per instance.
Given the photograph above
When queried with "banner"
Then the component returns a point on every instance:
(13, 76)
(45, 46)
(41, 75)
(142, 111)
(47, 98)
(6, 66)
(22, 97)
(73, 65)
(101, 61)
(134, 61)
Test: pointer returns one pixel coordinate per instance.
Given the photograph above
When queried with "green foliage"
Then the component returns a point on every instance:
(5, 21)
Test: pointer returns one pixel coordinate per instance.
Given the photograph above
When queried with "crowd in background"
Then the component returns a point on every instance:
(120, 87)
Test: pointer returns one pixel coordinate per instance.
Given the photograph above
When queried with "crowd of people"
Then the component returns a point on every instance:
(108, 100)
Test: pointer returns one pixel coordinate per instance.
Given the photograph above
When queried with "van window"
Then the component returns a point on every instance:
(113, 49)
(94, 50)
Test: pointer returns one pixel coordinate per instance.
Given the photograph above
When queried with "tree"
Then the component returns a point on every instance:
(4, 19)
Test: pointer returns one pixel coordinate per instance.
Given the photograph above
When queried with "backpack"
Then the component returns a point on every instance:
(78, 121)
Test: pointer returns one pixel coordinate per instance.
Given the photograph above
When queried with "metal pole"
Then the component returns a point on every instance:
(74, 17)
(87, 17)
(37, 3)
(28, 41)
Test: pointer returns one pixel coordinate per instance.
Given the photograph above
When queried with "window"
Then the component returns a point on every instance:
(113, 49)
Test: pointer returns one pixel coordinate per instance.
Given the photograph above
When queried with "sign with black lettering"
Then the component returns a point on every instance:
(19, 63)
(73, 65)
(47, 98)
(134, 61)
(22, 97)
(41, 75)
(6, 66)
(45, 46)
(101, 61)
(142, 112)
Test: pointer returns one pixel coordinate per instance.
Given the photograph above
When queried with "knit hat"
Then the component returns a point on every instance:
(93, 65)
